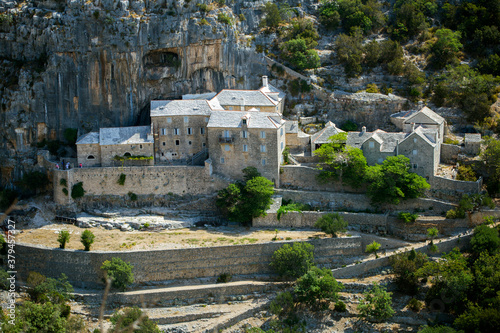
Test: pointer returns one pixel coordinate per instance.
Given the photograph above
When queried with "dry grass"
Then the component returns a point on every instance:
(116, 240)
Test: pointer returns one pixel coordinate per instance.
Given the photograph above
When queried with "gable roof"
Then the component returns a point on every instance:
(89, 138)
(291, 126)
(427, 135)
(255, 119)
(425, 114)
(273, 92)
(184, 107)
(323, 135)
(125, 135)
(388, 141)
(244, 97)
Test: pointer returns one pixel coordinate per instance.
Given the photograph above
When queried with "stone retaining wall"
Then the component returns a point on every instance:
(153, 180)
(449, 153)
(83, 268)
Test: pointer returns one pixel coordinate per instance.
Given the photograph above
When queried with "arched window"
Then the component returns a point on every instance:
(127, 155)
(91, 157)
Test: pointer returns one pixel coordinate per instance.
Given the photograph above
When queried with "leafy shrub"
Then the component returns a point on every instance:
(70, 135)
(293, 261)
(291, 207)
(485, 239)
(478, 319)
(450, 141)
(224, 278)
(33, 317)
(87, 239)
(376, 304)
(405, 267)
(77, 191)
(43, 290)
(466, 173)
(415, 305)
(63, 238)
(223, 18)
(35, 180)
(63, 182)
(437, 329)
(455, 214)
(132, 196)
(242, 17)
(4, 283)
(282, 304)
(65, 191)
(203, 22)
(349, 126)
(120, 273)
(331, 224)
(7, 198)
(204, 8)
(272, 17)
(299, 54)
(407, 217)
(121, 179)
(132, 319)
(340, 306)
(316, 287)
(372, 88)
(373, 248)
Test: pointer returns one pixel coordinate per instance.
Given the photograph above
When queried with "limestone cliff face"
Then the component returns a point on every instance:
(89, 64)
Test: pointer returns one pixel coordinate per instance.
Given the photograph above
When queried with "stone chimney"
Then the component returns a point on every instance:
(363, 129)
(264, 81)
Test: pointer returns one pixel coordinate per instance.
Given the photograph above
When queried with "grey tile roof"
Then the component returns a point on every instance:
(437, 119)
(204, 96)
(404, 114)
(246, 97)
(469, 137)
(125, 135)
(388, 140)
(233, 119)
(188, 107)
(427, 134)
(273, 92)
(291, 126)
(89, 138)
(323, 135)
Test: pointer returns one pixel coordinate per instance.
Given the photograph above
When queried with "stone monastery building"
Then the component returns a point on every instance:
(235, 129)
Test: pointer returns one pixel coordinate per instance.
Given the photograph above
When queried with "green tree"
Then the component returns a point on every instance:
(485, 239)
(120, 273)
(241, 202)
(63, 238)
(34, 318)
(491, 161)
(283, 304)
(299, 55)
(373, 248)
(340, 162)
(329, 15)
(478, 319)
(132, 320)
(317, 288)
(486, 271)
(349, 52)
(331, 224)
(272, 17)
(42, 289)
(447, 47)
(392, 181)
(405, 267)
(376, 304)
(87, 239)
(293, 261)
(35, 181)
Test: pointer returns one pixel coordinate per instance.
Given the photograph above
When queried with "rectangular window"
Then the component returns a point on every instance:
(177, 142)
(203, 144)
(244, 121)
(282, 146)
(263, 161)
(176, 131)
(415, 165)
(262, 134)
(190, 143)
(245, 148)
(202, 130)
(227, 134)
(281, 131)
(186, 119)
(163, 131)
(140, 146)
(227, 147)
(169, 120)
(230, 108)
(222, 161)
(262, 148)
(244, 134)
(190, 131)
(163, 143)
(371, 144)
(414, 152)
(206, 119)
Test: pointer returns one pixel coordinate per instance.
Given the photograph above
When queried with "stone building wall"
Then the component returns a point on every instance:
(171, 146)
(248, 107)
(424, 158)
(108, 153)
(83, 268)
(229, 158)
(154, 180)
(449, 153)
(89, 155)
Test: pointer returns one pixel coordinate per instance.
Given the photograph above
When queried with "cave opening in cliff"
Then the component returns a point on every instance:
(162, 59)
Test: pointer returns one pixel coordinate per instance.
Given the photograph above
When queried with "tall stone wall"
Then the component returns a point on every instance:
(449, 153)
(152, 180)
(83, 268)
(446, 187)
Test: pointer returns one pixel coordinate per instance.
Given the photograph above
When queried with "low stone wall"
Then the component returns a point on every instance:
(83, 268)
(451, 188)
(359, 202)
(289, 71)
(449, 153)
(152, 180)
(356, 270)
